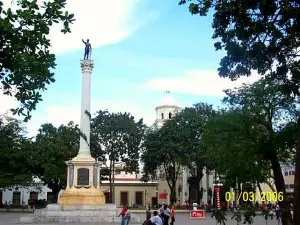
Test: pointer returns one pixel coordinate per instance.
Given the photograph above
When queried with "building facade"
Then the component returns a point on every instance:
(20, 196)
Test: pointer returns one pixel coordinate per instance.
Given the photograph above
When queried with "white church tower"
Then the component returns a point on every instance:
(167, 108)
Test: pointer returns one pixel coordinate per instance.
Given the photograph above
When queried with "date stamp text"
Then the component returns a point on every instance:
(267, 196)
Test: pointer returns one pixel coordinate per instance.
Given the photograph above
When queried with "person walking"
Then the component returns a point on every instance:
(148, 212)
(128, 216)
(172, 215)
(123, 214)
(166, 214)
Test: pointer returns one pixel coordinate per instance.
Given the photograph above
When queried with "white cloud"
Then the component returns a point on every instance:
(198, 82)
(62, 114)
(102, 21)
(7, 103)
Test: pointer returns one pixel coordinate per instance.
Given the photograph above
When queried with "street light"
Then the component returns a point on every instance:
(217, 188)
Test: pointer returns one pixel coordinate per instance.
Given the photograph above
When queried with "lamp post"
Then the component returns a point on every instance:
(156, 204)
(217, 189)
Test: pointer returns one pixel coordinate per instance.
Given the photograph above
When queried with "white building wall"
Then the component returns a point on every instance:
(42, 190)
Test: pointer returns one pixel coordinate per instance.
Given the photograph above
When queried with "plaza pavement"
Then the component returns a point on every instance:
(13, 218)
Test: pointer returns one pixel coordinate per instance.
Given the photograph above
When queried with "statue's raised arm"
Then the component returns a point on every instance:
(87, 49)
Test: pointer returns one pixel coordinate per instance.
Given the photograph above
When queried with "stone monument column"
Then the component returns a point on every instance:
(83, 176)
(85, 120)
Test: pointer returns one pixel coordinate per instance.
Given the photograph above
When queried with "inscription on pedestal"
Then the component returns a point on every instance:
(83, 176)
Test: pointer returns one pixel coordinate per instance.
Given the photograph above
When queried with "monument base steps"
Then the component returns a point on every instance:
(86, 214)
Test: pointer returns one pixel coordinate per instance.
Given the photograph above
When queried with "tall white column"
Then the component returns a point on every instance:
(85, 120)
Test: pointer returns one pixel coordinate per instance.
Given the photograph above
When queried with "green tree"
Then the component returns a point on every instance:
(116, 137)
(26, 64)
(189, 125)
(161, 157)
(253, 129)
(261, 36)
(53, 146)
(14, 146)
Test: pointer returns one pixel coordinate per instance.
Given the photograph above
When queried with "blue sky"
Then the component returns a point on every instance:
(140, 49)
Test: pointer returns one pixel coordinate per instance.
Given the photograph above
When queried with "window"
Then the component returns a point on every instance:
(139, 197)
(293, 172)
(124, 198)
(170, 115)
(162, 116)
(291, 185)
(16, 198)
(286, 173)
(33, 195)
(290, 173)
(286, 186)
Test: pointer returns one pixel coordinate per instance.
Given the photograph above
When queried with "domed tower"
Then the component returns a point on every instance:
(167, 108)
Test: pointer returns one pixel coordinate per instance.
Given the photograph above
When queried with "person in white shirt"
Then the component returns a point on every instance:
(155, 219)
(128, 216)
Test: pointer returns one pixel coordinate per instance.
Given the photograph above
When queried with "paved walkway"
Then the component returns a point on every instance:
(12, 218)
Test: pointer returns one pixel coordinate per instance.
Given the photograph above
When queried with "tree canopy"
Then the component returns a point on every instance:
(117, 137)
(53, 146)
(253, 132)
(161, 157)
(14, 147)
(27, 65)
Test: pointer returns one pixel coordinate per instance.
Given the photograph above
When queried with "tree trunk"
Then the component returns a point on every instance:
(173, 194)
(110, 182)
(113, 181)
(280, 187)
(270, 186)
(296, 210)
(55, 187)
(259, 187)
(194, 189)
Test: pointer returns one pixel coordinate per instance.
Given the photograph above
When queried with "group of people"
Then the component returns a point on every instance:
(161, 216)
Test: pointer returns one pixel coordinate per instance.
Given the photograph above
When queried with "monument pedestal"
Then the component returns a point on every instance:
(83, 183)
(78, 214)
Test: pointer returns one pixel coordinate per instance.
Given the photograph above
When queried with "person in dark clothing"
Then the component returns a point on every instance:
(166, 214)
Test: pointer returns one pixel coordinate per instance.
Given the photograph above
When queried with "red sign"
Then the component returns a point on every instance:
(163, 196)
(197, 214)
(217, 189)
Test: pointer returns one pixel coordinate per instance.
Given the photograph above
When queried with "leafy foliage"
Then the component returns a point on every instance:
(50, 151)
(237, 216)
(161, 156)
(254, 131)
(14, 147)
(220, 216)
(26, 63)
(257, 35)
(189, 126)
(117, 137)
(249, 215)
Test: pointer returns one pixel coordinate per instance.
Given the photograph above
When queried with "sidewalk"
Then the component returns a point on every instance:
(133, 210)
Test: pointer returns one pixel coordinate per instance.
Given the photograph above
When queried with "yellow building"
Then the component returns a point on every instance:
(130, 190)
